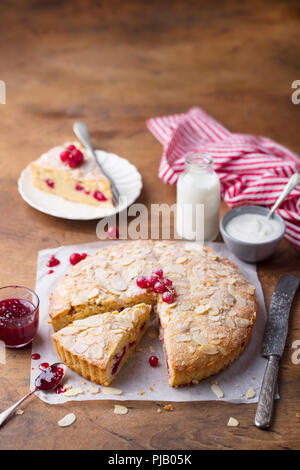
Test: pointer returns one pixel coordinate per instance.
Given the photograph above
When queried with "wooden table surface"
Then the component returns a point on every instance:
(114, 64)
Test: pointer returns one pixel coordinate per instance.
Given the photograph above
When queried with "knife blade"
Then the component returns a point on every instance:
(273, 344)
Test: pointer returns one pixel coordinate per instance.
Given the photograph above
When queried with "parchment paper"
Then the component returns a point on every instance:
(137, 375)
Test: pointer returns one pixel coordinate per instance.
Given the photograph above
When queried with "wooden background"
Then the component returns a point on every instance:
(114, 64)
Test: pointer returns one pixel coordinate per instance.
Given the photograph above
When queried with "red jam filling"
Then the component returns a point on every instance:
(43, 366)
(17, 326)
(99, 196)
(143, 326)
(130, 345)
(118, 358)
(78, 187)
(49, 378)
(50, 183)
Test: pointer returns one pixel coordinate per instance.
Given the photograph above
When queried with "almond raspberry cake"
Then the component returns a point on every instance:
(70, 172)
(206, 308)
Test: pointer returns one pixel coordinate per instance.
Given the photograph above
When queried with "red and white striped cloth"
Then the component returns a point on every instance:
(252, 169)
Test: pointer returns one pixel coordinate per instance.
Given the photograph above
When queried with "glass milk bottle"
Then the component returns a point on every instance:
(198, 199)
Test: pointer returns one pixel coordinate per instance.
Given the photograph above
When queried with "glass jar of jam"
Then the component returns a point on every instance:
(19, 315)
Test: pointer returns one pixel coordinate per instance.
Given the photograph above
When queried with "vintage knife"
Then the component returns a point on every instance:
(273, 344)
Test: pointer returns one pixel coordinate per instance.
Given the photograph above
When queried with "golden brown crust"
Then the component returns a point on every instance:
(205, 329)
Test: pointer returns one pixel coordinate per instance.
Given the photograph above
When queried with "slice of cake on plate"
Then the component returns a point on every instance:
(98, 347)
(70, 172)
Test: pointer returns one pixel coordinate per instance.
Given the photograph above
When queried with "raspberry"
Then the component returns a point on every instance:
(77, 257)
(142, 282)
(153, 361)
(158, 272)
(168, 297)
(159, 287)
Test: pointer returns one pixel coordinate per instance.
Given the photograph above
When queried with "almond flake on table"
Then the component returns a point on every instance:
(159, 410)
(217, 390)
(250, 393)
(73, 392)
(120, 410)
(19, 412)
(67, 420)
(233, 422)
(111, 391)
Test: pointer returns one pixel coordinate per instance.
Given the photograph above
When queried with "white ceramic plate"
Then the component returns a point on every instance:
(125, 175)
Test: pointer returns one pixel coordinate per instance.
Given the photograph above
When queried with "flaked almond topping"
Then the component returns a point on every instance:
(233, 422)
(111, 391)
(198, 338)
(209, 349)
(250, 393)
(201, 309)
(67, 420)
(216, 389)
(182, 338)
(120, 410)
(181, 260)
(229, 322)
(242, 322)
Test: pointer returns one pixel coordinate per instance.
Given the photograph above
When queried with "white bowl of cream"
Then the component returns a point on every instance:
(249, 234)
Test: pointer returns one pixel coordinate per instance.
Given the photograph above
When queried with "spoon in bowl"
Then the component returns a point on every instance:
(48, 380)
(292, 183)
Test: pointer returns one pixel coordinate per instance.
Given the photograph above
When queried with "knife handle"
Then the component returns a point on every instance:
(264, 409)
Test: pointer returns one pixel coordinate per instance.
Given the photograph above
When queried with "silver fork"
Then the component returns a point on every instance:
(81, 131)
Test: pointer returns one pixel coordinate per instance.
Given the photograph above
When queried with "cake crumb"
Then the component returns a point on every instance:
(19, 412)
(298, 415)
(168, 407)
(152, 334)
(139, 349)
(140, 393)
(151, 389)
(159, 410)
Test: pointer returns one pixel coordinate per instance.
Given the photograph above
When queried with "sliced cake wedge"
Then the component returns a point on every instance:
(97, 347)
(70, 172)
